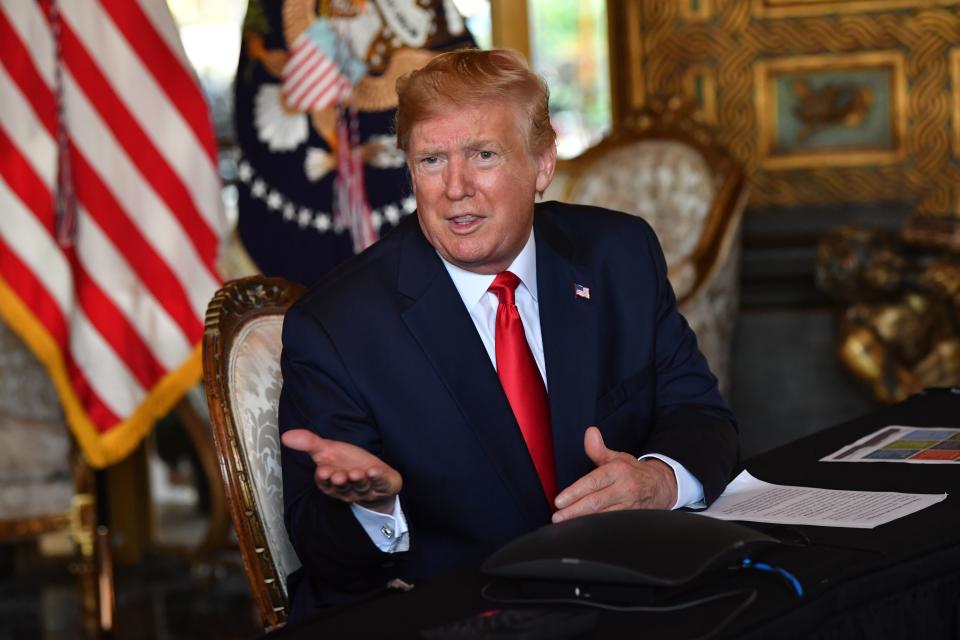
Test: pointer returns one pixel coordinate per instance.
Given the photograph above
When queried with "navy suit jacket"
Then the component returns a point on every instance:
(382, 353)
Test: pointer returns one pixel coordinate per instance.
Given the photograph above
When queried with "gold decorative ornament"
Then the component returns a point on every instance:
(900, 329)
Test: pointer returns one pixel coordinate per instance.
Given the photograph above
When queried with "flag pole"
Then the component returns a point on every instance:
(103, 557)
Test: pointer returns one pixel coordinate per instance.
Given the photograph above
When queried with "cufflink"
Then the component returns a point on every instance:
(386, 531)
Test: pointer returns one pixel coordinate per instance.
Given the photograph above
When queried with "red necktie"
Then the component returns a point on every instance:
(522, 382)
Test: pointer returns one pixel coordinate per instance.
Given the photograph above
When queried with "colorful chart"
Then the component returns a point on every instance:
(903, 444)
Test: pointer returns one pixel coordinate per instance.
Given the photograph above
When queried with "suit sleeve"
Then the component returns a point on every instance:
(692, 423)
(318, 394)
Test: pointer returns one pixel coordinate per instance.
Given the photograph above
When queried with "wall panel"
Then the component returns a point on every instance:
(824, 101)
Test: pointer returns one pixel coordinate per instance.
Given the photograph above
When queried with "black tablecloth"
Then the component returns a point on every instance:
(899, 580)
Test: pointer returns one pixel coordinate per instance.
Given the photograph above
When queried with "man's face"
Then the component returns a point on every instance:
(475, 184)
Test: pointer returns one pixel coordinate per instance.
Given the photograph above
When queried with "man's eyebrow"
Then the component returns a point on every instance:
(472, 144)
(428, 151)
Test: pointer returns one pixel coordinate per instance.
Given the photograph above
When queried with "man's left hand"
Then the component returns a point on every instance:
(620, 481)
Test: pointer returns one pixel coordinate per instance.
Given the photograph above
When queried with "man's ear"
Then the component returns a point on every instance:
(546, 165)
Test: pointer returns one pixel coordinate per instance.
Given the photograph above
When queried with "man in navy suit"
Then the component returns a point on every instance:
(405, 456)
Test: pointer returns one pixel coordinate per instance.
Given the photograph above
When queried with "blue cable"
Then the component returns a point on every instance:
(747, 563)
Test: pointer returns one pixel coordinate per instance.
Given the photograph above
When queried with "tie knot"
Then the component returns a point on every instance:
(504, 285)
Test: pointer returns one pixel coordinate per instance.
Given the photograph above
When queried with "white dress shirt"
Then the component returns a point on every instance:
(389, 532)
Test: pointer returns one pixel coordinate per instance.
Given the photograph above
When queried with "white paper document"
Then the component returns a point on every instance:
(747, 498)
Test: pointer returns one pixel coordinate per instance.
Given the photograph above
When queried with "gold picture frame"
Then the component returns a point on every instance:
(955, 102)
(802, 8)
(772, 152)
(955, 115)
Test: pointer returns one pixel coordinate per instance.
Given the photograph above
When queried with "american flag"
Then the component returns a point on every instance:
(321, 70)
(581, 291)
(110, 213)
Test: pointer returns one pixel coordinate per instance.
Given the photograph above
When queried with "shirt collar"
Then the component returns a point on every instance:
(471, 286)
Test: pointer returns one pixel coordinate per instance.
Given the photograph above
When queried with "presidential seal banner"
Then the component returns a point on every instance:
(110, 210)
(319, 175)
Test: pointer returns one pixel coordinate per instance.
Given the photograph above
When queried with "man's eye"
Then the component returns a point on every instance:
(487, 155)
(429, 160)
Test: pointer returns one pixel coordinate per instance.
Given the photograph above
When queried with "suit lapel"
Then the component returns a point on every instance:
(441, 324)
(568, 324)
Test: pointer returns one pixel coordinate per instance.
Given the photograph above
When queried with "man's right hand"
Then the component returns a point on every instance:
(347, 472)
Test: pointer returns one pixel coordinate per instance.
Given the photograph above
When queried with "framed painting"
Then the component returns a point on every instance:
(830, 110)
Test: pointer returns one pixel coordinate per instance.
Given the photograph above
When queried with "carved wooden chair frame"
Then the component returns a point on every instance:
(235, 305)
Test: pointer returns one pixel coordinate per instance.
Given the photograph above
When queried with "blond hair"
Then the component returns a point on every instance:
(475, 77)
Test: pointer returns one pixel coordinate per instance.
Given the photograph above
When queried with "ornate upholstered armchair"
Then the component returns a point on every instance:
(45, 486)
(666, 166)
(241, 372)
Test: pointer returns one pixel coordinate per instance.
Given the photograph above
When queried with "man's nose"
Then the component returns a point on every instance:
(459, 181)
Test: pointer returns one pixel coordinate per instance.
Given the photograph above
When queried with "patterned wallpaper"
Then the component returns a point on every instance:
(824, 101)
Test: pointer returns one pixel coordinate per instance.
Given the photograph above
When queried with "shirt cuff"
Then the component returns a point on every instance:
(689, 489)
(387, 531)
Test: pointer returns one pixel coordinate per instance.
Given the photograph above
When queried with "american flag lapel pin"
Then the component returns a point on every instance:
(581, 291)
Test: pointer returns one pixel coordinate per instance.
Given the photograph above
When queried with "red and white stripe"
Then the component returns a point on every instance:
(124, 302)
(311, 80)
(351, 208)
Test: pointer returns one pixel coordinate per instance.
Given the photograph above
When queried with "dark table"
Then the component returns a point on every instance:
(899, 580)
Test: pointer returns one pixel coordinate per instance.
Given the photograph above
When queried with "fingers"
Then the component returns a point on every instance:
(359, 479)
(622, 483)
(386, 480)
(342, 483)
(598, 502)
(345, 471)
(586, 507)
(584, 496)
(594, 481)
(302, 440)
(599, 478)
(594, 446)
(363, 485)
(335, 454)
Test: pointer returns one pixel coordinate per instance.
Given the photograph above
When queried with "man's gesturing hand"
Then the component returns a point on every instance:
(620, 481)
(347, 472)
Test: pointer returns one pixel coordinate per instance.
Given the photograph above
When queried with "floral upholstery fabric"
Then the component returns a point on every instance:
(255, 381)
(666, 183)
(712, 315)
(671, 186)
(35, 471)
